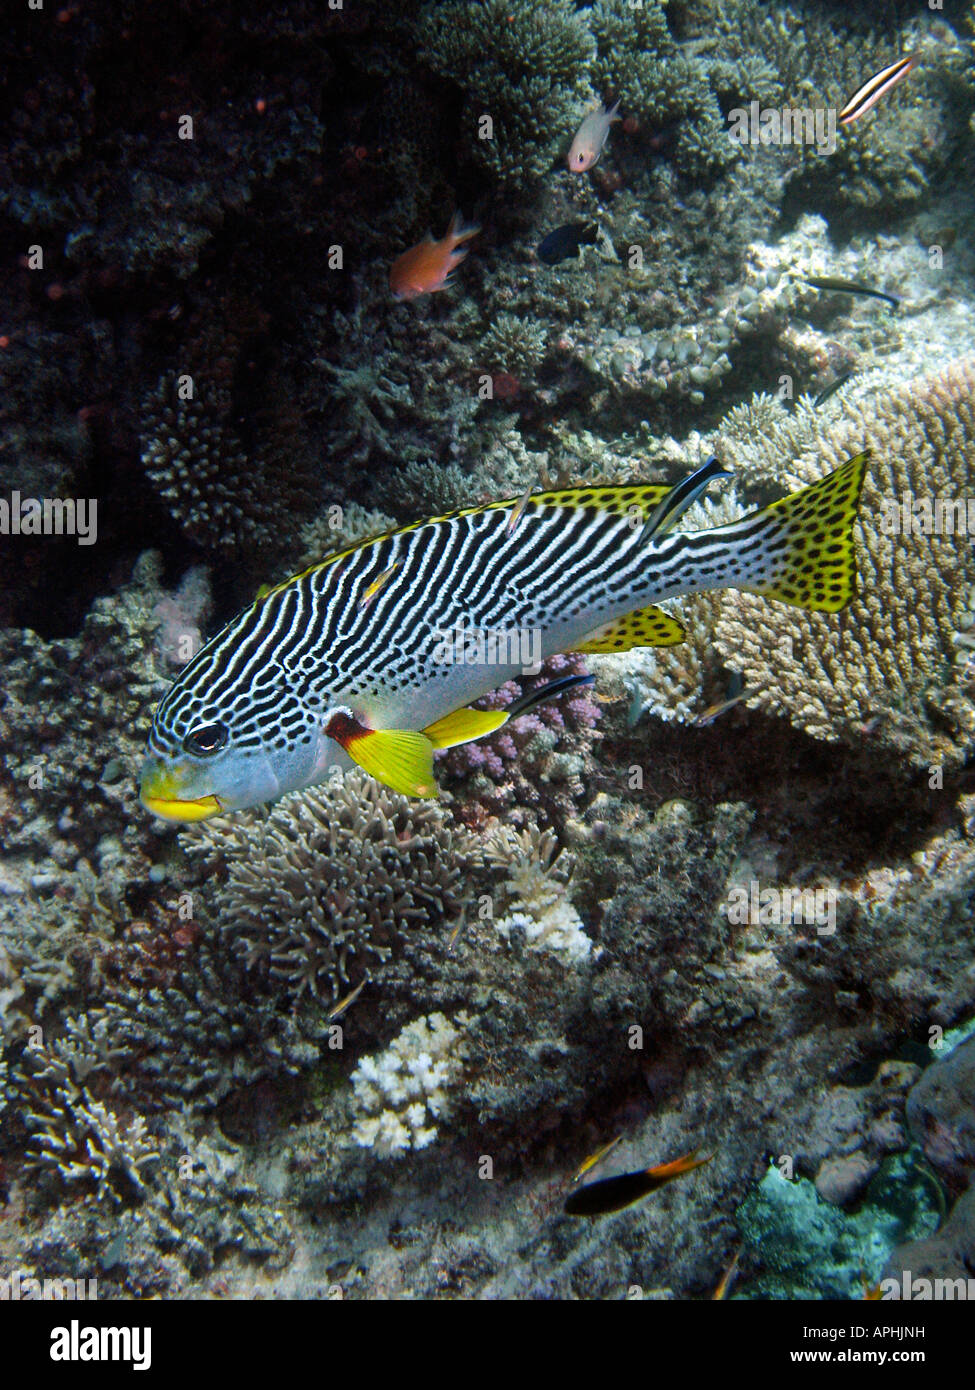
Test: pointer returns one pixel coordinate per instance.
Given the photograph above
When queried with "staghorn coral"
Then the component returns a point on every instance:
(319, 888)
(888, 667)
(401, 1094)
(84, 1141)
(73, 1134)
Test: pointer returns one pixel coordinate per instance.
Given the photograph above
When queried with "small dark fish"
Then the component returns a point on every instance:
(613, 1194)
(879, 85)
(564, 242)
(830, 282)
(833, 386)
(664, 516)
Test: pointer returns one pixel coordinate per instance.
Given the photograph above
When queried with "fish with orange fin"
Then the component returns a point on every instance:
(613, 1194)
(429, 266)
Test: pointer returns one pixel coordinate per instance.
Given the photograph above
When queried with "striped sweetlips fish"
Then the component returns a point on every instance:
(345, 663)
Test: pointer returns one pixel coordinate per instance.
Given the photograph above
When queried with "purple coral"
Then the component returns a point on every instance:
(511, 764)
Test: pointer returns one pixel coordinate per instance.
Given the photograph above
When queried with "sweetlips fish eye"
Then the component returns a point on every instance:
(209, 738)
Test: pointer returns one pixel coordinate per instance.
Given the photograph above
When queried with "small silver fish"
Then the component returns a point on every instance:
(590, 138)
(348, 1001)
(709, 715)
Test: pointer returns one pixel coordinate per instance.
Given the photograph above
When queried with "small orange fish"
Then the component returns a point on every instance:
(590, 138)
(428, 266)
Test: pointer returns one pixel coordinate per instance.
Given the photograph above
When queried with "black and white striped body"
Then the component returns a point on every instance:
(320, 641)
(376, 654)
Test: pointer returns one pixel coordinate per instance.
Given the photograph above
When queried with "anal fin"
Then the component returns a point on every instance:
(463, 725)
(644, 627)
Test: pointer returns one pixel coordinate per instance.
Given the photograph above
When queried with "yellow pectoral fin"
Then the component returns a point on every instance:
(465, 725)
(644, 627)
(399, 758)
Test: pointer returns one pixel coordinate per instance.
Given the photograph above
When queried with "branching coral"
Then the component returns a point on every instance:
(521, 65)
(638, 60)
(402, 1093)
(513, 344)
(337, 528)
(69, 765)
(321, 887)
(230, 470)
(77, 1136)
(85, 1141)
(881, 161)
(538, 903)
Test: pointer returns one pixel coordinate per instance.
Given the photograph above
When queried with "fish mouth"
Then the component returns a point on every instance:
(159, 792)
(189, 809)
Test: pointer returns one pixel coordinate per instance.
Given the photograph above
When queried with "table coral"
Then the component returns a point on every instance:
(887, 668)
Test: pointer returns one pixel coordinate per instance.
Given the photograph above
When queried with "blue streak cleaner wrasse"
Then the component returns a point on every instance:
(354, 661)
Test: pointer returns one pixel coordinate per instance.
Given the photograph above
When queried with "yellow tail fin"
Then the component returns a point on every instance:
(807, 542)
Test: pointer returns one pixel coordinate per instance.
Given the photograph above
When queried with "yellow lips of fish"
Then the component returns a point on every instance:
(159, 793)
